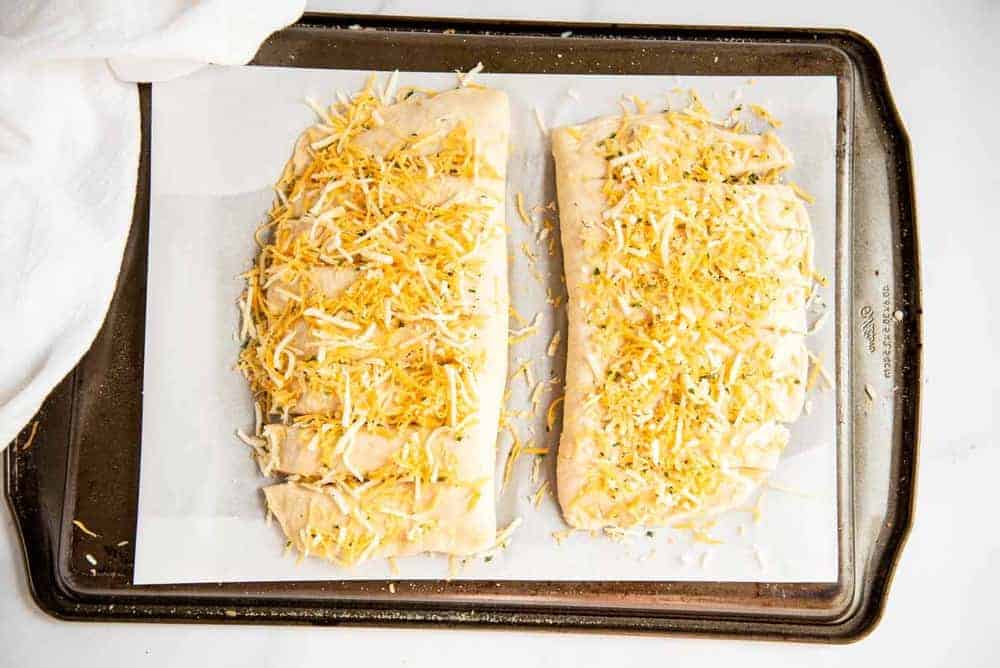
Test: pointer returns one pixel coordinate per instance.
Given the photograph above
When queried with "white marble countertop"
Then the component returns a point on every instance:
(942, 60)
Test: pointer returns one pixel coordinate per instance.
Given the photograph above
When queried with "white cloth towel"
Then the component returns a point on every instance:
(69, 154)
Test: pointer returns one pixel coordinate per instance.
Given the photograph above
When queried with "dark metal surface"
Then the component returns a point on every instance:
(84, 462)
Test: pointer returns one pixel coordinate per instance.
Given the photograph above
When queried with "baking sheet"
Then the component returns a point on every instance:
(219, 140)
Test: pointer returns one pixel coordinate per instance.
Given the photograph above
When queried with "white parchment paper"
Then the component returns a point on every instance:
(220, 139)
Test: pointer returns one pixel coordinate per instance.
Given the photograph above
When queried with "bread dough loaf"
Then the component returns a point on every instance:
(381, 463)
(658, 212)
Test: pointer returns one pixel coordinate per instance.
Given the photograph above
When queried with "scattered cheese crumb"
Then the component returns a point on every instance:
(701, 536)
(898, 315)
(31, 436)
(90, 559)
(518, 335)
(554, 343)
(517, 316)
(528, 253)
(820, 322)
(560, 536)
(540, 121)
(778, 487)
(801, 193)
(766, 116)
(550, 414)
(758, 508)
(539, 495)
(390, 87)
(525, 218)
(536, 469)
(502, 539)
(759, 555)
(392, 588)
(536, 395)
(454, 567)
(82, 527)
(464, 79)
(818, 371)
(512, 456)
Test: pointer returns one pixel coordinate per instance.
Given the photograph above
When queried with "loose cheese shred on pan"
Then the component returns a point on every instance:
(504, 535)
(82, 527)
(518, 335)
(465, 79)
(560, 536)
(512, 456)
(765, 115)
(818, 371)
(819, 324)
(758, 508)
(759, 556)
(550, 414)
(802, 193)
(539, 495)
(455, 564)
(525, 368)
(525, 218)
(390, 87)
(554, 343)
(778, 487)
(31, 436)
(320, 111)
(541, 121)
(536, 395)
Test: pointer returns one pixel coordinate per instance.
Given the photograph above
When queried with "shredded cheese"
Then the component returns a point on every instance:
(539, 495)
(31, 436)
(82, 527)
(765, 115)
(561, 536)
(550, 414)
(465, 78)
(518, 335)
(540, 121)
(554, 343)
(522, 214)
